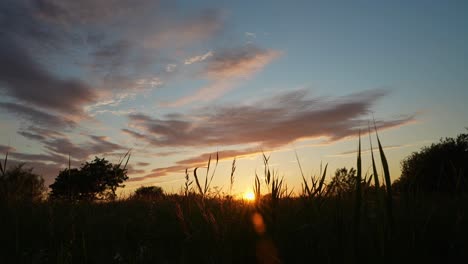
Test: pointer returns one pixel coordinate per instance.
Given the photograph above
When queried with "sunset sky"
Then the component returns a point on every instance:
(176, 81)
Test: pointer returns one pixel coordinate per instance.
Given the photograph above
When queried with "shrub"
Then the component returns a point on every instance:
(344, 181)
(441, 167)
(148, 193)
(19, 184)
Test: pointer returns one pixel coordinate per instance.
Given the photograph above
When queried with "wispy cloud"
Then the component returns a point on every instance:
(205, 94)
(38, 117)
(4, 149)
(198, 58)
(368, 151)
(238, 62)
(270, 122)
(59, 144)
(224, 68)
(24, 79)
(38, 133)
(171, 67)
(250, 35)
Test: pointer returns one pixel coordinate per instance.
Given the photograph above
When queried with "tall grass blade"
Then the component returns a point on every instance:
(128, 154)
(388, 182)
(206, 177)
(257, 190)
(5, 162)
(197, 181)
(374, 168)
(306, 186)
(357, 208)
(266, 172)
(213, 173)
(3, 168)
(188, 182)
(322, 180)
(233, 169)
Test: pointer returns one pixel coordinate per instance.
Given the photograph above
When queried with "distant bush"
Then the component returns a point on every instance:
(98, 179)
(148, 193)
(344, 181)
(441, 167)
(19, 184)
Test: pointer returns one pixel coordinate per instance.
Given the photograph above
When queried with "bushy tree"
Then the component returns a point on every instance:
(148, 193)
(344, 181)
(98, 179)
(441, 167)
(19, 184)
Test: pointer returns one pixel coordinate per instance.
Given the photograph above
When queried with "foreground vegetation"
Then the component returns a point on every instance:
(353, 218)
(180, 230)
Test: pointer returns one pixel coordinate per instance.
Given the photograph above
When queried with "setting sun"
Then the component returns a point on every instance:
(249, 196)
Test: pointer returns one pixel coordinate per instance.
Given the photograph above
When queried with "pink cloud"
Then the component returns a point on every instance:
(226, 67)
(267, 124)
(271, 122)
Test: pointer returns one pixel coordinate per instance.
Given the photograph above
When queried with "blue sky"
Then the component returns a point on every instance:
(176, 81)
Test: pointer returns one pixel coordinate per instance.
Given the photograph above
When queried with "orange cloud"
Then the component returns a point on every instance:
(197, 161)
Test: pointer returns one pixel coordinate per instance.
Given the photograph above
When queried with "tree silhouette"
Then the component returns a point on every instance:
(344, 181)
(148, 193)
(441, 167)
(98, 179)
(18, 184)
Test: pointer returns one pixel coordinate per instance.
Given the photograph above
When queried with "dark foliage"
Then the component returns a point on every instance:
(179, 230)
(98, 179)
(441, 167)
(19, 184)
(344, 181)
(148, 193)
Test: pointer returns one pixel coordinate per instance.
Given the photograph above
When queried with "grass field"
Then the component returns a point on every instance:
(364, 224)
(179, 230)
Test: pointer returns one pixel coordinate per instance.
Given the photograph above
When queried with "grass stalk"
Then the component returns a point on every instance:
(231, 182)
(374, 167)
(388, 182)
(3, 167)
(358, 201)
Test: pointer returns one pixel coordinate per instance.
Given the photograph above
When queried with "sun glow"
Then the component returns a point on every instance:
(249, 196)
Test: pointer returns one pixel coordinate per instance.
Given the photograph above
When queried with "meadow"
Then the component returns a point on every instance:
(179, 230)
(370, 223)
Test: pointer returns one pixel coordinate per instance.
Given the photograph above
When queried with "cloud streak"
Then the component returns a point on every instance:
(271, 122)
(238, 62)
(368, 151)
(266, 124)
(25, 80)
(198, 58)
(224, 68)
(38, 117)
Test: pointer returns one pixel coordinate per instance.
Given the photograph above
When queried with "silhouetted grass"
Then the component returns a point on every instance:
(172, 231)
(196, 227)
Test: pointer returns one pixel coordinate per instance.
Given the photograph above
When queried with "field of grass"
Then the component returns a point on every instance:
(180, 230)
(366, 224)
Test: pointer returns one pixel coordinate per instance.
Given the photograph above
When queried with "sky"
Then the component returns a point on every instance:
(178, 81)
